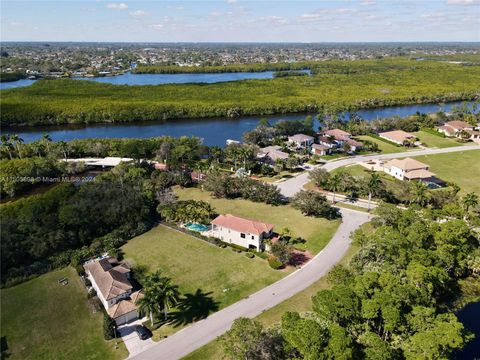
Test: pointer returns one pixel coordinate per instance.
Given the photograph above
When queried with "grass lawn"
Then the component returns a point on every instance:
(436, 141)
(462, 168)
(301, 302)
(201, 270)
(42, 319)
(316, 231)
(385, 147)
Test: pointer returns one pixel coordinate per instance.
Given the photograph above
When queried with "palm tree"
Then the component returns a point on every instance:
(64, 147)
(419, 193)
(169, 295)
(7, 145)
(148, 305)
(470, 200)
(17, 140)
(372, 186)
(335, 181)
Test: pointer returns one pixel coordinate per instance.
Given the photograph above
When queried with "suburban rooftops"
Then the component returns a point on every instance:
(397, 135)
(407, 164)
(242, 225)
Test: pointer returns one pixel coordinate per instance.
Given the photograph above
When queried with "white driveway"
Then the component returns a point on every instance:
(132, 341)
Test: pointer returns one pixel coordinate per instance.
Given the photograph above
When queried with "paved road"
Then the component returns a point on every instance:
(291, 186)
(204, 331)
(201, 333)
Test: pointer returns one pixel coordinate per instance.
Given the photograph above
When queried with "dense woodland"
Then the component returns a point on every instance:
(390, 303)
(362, 84)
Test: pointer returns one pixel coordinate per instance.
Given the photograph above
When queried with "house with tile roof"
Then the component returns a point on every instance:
(408, 169)
(399, 137)
(241, 231)
(111, 281)
(301, 140)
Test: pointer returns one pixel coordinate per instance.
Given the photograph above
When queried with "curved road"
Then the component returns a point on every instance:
(195, 336)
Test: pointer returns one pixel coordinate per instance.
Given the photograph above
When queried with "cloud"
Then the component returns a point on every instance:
(117, 6)
(157, 26)
(276, 20)
(325, 12)
(232, 1)
(178, 8)
(16, 23)
(462, 2)
(139, 13)
(368, 2)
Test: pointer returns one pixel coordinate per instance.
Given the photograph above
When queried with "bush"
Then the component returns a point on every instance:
(250, 255)
(238, 247)
(88, 282)
(91, 294)
(108, 327)
(274, 263)
(80, 270)
(262, 255)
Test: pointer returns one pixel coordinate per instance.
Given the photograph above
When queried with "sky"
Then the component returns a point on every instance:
(241, 21)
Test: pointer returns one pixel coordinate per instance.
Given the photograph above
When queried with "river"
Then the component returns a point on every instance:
(159, 79)
(212, 131)
(469, 316)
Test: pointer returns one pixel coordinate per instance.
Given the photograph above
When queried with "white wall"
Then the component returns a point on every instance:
(235, 237)
(395, 172)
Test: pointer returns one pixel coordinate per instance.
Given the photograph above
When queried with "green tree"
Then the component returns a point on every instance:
(334, 184)
(373, 185)
(469, 200)
(243, 337)
(169, 295)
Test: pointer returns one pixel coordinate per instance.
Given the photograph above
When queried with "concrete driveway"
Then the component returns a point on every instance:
(132, 341)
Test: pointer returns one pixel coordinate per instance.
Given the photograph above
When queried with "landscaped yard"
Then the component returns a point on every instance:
(462, 168)
(317, 232)
(42, 319)
(433, 141)
(213, 277)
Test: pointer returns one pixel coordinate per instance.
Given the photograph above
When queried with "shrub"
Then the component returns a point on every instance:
(88, 282)
(108, 327)
(91, 294)
(250, 255)
(80, 270)
(274, 263)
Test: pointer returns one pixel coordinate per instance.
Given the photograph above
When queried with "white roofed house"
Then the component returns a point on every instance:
(408, 169)
(455, 128)
(270, 154)
(301, 140)
(399, 137)
(111, 281)
(241, 231)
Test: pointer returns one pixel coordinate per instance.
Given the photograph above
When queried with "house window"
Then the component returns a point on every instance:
(242, 235)
(253, 237)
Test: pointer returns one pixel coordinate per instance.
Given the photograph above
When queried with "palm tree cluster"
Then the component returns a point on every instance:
(160, 295)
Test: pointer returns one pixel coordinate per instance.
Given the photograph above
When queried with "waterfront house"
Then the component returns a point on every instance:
(321, 150)
(399, 137)
(270, 154)
(301, 140)
(454, 128)
(241, 231)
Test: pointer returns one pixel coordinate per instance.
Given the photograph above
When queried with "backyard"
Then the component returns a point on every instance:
(316, 231)
(462, 168)
(209, 277)
(42, 319)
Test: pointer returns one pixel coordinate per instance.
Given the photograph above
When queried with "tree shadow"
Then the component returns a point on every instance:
(193, 307)
(4, 348)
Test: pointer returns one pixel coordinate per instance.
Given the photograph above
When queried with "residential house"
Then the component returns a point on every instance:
(399, 137)
(270, 154)
(240, 231)
(321, 150)
(454, 128)
(301, 140)
(111, 281)
(408, 169)
(340, 138)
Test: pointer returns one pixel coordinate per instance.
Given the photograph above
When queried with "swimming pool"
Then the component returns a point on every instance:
(196, 227)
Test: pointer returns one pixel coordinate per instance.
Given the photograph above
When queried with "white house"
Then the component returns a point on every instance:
(301, 140)
(336, 138)
(453, 128)
(110, 279)
(240, 231)
(270, 154)
(408, 169)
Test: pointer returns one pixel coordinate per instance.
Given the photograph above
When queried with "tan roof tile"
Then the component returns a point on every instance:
(241, 224)
(111, 281)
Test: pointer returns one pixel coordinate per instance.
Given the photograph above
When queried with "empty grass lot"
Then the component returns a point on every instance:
(433, 141)
(383, 146)
(316, 231)
(462, 168)
(42, 319)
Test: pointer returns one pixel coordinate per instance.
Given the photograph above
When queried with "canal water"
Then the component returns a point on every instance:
(212, 131)
(159, 79)
(469, 316)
